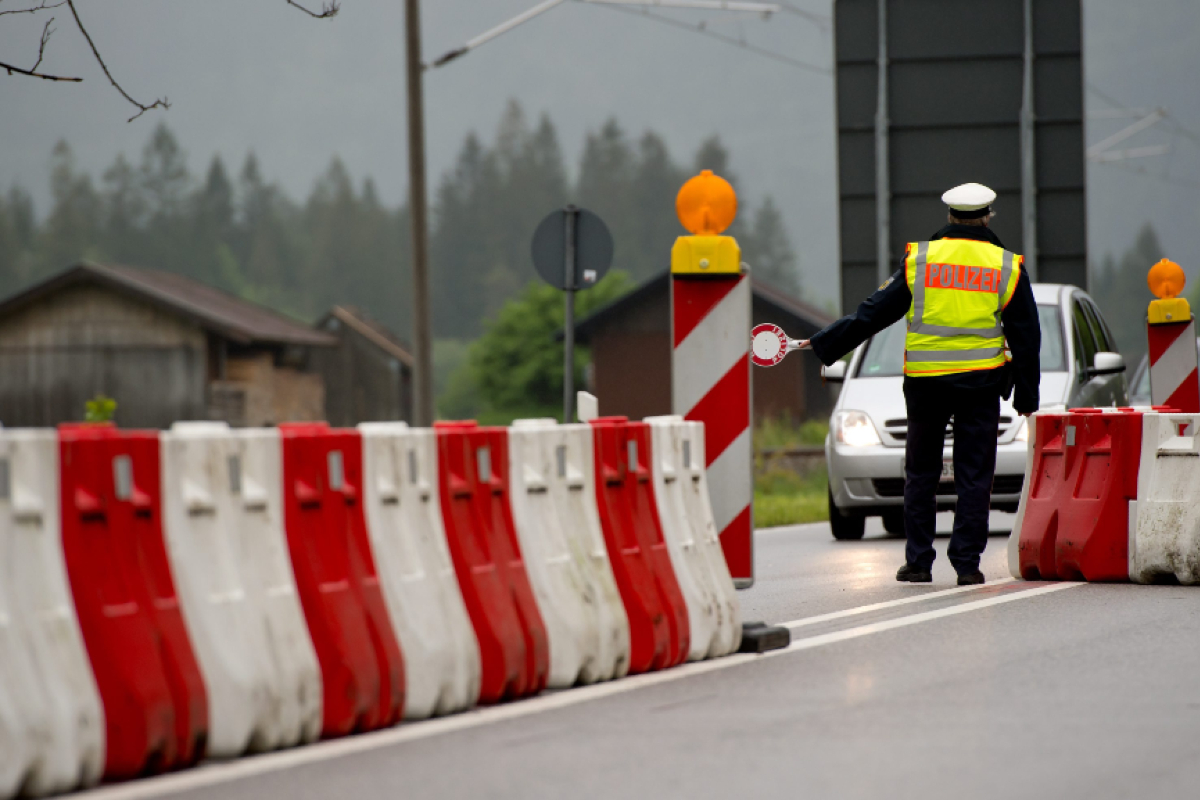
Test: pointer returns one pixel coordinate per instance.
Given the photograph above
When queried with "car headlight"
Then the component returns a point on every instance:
(854, 428)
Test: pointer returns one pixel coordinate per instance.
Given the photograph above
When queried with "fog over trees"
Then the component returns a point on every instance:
(231, 227)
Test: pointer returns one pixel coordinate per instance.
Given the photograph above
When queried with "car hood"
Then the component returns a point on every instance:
(883, 398)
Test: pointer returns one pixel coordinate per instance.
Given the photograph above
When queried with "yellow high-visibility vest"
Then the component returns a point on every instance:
(959, 287)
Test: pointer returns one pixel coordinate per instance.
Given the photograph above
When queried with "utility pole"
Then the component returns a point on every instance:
(422, 329)
(883, 175)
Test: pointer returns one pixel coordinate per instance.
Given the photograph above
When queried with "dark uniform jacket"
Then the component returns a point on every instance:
(893, 300)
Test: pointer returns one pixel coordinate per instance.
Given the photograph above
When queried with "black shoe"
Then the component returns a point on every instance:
(971, 578)
(912, 574)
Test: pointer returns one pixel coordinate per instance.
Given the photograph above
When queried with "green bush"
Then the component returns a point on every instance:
(517, 365)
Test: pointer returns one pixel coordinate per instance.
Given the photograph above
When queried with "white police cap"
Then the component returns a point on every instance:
(970, 200)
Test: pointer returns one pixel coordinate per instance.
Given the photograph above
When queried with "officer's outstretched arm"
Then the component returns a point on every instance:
(889, 303)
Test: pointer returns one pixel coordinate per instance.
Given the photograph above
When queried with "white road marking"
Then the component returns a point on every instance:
(853, 612)
(215, 773)
(914, 619)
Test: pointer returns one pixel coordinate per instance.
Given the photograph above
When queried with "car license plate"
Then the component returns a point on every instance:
(947, 470)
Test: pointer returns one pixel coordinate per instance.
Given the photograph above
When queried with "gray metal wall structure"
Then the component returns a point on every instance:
(989, 91)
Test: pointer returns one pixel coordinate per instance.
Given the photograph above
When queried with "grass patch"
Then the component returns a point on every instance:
(776, 432)
(782, 497)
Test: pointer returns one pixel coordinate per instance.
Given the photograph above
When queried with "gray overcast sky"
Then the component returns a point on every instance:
(260, 75)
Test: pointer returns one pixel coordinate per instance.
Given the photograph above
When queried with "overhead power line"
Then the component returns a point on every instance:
(1168, 179)
(701, 29)
(1120, 111)
(643, 9)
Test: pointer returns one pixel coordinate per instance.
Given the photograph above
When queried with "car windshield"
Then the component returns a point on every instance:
(884, 357)
(885, 353)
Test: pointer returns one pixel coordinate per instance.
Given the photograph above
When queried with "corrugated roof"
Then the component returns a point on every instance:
(211, 308)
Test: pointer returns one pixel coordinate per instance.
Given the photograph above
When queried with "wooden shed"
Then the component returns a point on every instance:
(630, 340)
(368, 374)
(165, 347)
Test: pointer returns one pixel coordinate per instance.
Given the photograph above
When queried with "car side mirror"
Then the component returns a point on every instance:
(1107, 364)
(835, 372)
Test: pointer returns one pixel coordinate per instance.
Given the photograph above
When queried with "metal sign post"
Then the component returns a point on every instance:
(572, 250)
(569, 223)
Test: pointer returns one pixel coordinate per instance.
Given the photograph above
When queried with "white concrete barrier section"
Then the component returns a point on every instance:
(708, 539)
(18, 753)
(711, 605)
(201, 531)
(1014, 538)
(1164, 522)
(48, 697)
(256, 479)
(553, 496)
(404, 521)
(574, 491)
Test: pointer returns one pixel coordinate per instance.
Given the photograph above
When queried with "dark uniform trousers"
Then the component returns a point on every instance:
(976, 415)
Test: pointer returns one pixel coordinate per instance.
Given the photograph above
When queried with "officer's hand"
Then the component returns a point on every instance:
(804, 344)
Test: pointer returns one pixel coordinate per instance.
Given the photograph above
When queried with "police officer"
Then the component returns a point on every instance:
(966, 299)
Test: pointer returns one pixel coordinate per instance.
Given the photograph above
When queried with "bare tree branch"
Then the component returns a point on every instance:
(142, 109)
(42, 7)
(32, 72)
(47, 32)
(328, 10)
(10, 69)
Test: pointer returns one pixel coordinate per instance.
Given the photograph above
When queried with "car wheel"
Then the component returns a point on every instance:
(845, 525)
(893, 522)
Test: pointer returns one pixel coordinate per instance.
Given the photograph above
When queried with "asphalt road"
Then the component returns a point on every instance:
(888, 690)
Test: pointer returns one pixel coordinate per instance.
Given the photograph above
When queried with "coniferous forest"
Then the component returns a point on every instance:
(231, 226)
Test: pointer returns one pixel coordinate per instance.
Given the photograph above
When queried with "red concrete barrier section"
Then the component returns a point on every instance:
(1035, 532)
(153, 698)
(1074, 520)
(361, 670)
(658, 624)
(348, 443)
(474, 486)
(138, 507)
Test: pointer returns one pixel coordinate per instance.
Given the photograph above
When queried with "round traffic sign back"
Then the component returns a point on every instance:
(593, 249)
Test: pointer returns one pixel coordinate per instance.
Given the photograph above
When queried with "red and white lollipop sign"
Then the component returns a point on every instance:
(769, 344)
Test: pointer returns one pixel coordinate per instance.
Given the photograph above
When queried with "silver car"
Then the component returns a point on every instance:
(864, 452)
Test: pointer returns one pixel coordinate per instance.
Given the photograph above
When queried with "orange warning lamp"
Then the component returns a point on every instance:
(1166, 280)
(706, 206)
